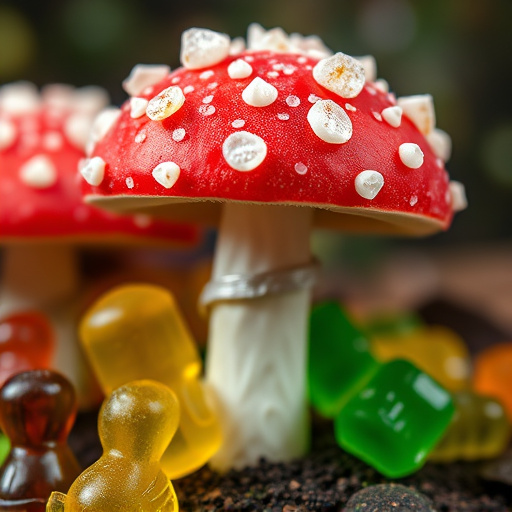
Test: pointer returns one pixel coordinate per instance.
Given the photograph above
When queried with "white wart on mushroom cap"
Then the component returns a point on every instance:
(284, 123)
(43, 137)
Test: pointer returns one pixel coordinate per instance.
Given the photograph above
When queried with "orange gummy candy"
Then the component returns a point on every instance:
(493, 374)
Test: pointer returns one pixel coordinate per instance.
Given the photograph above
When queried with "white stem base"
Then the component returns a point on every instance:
(45, 278)
(257, 348)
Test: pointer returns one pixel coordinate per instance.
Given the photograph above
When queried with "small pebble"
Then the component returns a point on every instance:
(388, 498)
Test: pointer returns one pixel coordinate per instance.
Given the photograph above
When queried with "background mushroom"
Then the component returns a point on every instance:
(269, 142)
(42, 217)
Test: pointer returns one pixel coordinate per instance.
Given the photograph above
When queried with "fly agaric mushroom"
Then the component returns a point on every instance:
(269, 142)
(42, 216)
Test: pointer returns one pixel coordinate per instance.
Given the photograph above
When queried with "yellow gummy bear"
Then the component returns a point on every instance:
(137, 332)
(479, 429)
(436, 350)
(136, 423)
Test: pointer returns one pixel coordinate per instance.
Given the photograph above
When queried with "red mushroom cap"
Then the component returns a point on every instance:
(274, 127)
(42, 141)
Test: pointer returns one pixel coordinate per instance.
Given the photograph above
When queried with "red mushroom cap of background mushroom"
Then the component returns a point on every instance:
(41, 144)
(294, 164)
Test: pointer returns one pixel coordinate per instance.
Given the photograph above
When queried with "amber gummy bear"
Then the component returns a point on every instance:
(136, 423)
(137, 332)
(37, 411)
(26, 343)
(479, 429)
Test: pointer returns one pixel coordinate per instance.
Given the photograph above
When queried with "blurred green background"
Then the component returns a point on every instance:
(456, 50)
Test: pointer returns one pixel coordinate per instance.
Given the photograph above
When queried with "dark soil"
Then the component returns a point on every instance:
(322, 481)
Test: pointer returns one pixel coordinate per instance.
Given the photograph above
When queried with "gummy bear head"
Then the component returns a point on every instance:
(37, 408)
(138, 420)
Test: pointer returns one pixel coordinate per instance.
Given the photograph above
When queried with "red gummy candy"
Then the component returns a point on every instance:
(26, 342)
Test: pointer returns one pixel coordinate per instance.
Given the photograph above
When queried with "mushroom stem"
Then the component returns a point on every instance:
(37, 276)
(45, 277)
(256, 360)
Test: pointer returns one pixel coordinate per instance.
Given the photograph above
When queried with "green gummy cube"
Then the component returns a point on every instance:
(395, 419)
(339, 358)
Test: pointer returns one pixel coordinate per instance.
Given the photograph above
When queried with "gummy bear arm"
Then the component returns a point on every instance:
(56, 503)
(257, 348)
